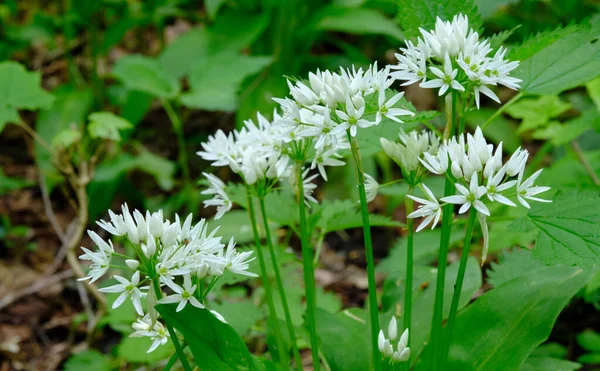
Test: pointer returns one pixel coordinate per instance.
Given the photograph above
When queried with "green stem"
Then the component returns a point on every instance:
(374, 315)
(438, 308)
(309, 272)
(178, 127)
(409, 204)
(458, 285)
(174, 339)
(283, 356)
(502, 109)
(282, 295)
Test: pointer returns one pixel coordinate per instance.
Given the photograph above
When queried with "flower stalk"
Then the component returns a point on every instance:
(280, 288)
(309, 272)
(283, 356)
(458, 286)
(409, 205)
(368, 252)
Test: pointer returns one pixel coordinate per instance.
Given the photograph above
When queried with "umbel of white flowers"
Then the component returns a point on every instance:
(172, 252)
(398, 353)
(481, 178)
(451, 57)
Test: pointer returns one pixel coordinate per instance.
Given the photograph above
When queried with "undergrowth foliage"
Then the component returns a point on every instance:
(464, 182)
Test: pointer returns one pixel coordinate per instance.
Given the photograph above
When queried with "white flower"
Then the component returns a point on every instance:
(146, 327)
(429, 209)
(100, 264)
(326, 158)
(220, 198)
(371, 187)
(387, 108)
(526, 189)
(469, 197)
(446, 79)
(352, 118)
(494, 187)
(183, 295)
(127, 289)
(307, 184)
(238, 263)
(403, 352)
(437, 164)
(516, 163)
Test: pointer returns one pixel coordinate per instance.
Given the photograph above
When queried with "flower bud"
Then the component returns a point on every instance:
(393, 329)
(132, 263)
(155, 225)
(170, 235)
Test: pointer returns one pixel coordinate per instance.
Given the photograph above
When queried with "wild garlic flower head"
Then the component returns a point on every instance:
(330, 104)
(452, 57)
(482, 178)
(175, 254)
(399, 353)
(407, 153)
(220, 198)
(146, 327)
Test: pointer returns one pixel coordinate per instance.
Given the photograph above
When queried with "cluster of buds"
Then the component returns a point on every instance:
(399, 353)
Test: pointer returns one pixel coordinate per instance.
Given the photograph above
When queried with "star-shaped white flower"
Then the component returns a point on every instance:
(183, 295)
(446, 79)
(526, 189)
(127, 289)
(469, 197)
(429, 209)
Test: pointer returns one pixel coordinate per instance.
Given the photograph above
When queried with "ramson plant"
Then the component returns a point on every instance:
(317, 126)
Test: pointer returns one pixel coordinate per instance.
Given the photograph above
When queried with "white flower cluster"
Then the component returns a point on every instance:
(329, 104)
(165, 253)
(409, 151)
(452, 57)
(481, 177)
(402, 352)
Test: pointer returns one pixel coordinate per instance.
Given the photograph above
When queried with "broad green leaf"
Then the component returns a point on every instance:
(344, 214)
(513, 264)
(134, 350)
(107, 125)
(145, 74)
(551, 350)
(573, 129)
(240, 315)
(231, 33)
(540, 41)
(537, 112)
(566, 62)
(358, 21)
(568, 172)
(589, 340)
(90, 360)
(236, 224)
(569, 228)
(215, 345)
(20, 89)
(212, 7)
(502, 327)
(591, 358)
(70, 108)
(162, 169)
(413, 14)
(548, 363)
(344, 340)
(66, 138)
(215, 81)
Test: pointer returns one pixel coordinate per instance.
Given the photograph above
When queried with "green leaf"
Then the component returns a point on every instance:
(344, 340)
(236, 224)
(212, 7)
(240, 315)
(513, 264)
(553, 69)
(569, 173)
(20, 89)
(540, 41)
(162, 169)
(358, 21)
(593, 88)
(501, 328)
(107, 125)
(134, 350)
(231, 33)
(215, 81)
(338, 215)
(569, 228)
(537, 112)
(144, 74)
(413, 14)
(488, 8)
(592, 358)
(90, 360)
(548, 363)
(573, 129)
(589, 340)
(498, 39)
(214, 344)
(66, 138)
(70, 108)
